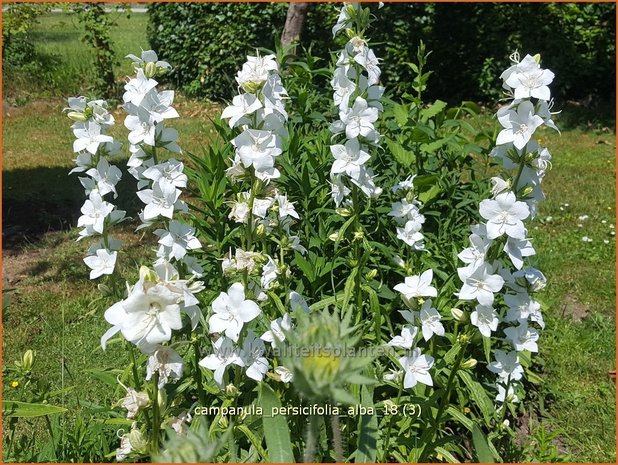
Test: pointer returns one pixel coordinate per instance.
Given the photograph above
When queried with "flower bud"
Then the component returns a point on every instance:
(471, 363)
(399, 261)
(150, 70)
(372, 274)
(223, 422)
(334, 237)
(162, 399)
(359, 235)
(459, 315)
(138, 442)
(27, 360)
(463, 339)
(345, 212)
(252, 87)
(231, 390)
(527, 191)
(537, 58)
(260, 231)
(147, 275)
(77, 116)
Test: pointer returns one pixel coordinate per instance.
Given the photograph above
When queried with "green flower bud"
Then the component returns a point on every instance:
(252, 87)
(359, 235)
(150, 70)
(138, 442)
(334, 236)
(471, 363)
(77, 116)
(162, 399)
(231, 390)
(527, 191)
(27, 360)
(459, 315)
(537, 58)
(345, 212)
(372, 274)
(260, 231)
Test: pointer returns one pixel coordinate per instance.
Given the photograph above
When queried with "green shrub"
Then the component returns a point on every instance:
(471, 43)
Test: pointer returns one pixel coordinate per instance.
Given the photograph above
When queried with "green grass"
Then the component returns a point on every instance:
(578, 348)
(57, 311)
(68, 61)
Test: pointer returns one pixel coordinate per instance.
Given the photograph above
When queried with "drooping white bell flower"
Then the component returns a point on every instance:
(276, 334)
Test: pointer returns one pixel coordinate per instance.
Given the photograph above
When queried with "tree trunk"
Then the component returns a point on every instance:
(294, 22)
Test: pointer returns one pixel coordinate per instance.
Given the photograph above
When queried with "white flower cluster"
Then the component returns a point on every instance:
(513, 201)
(259, 113)
(154, 306)
(160, 183)
(357, 96)
(407, 214)
(93, 146)
(416, 366)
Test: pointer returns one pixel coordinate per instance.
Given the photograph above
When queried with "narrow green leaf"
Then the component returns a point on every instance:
(276, 430)
(367, 450)
(450, 458)
(481, 447)
(15, 409)
(254, 440)
(487, 348)
(479, 396)
(460, 417)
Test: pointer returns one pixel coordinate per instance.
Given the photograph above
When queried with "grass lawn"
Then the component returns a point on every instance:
(56, 311)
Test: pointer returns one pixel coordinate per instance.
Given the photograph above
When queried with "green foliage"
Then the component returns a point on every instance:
(471, 43)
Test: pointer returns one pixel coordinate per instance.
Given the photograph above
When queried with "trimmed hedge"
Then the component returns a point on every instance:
(471, 43)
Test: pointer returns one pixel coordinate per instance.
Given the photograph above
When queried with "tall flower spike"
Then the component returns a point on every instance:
(513, 201)
(92, 146)
(357, 94)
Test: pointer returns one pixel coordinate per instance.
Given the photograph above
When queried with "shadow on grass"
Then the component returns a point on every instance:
(39, 200)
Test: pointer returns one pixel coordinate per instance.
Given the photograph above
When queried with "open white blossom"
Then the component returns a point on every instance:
(417, 286)
(231, 312)
(224, 355)
(416, 368)
(167, 363)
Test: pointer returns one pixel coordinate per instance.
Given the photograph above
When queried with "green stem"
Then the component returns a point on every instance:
(312, 439)
(391, 420)
(156, 421)
(198, 373)
(133, 365)
(522, 163)
(337, 441)
(428, 437)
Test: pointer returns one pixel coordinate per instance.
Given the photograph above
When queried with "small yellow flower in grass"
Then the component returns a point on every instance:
(466, 410)
(14, 384)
